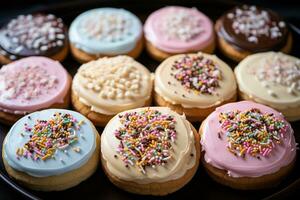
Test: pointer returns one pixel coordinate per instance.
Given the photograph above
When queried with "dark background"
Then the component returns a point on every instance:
(288, 8)
(67, 9)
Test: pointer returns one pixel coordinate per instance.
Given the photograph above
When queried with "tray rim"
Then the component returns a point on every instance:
(59, 7)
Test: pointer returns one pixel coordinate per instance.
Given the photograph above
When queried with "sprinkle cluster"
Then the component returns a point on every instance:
(113, 78)
(181, 25)
(197, 73)
(35, 32)
(146, 138)
(27, 83)
(254, 23)
(47, 136)
(280, 70)
(252, 132)
(107, 27)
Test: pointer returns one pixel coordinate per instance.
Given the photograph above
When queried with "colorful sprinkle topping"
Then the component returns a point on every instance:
(252, 132)
(47, 136)
(197, 73)
(146, 138)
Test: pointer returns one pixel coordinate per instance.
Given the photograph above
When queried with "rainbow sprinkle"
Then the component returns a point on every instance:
(252, 132)
(47, 136)
(146, 138)
(196, 73)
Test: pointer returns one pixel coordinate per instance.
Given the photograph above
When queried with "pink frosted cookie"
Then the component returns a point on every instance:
(31, 84)
(174, 29)
(247, 145)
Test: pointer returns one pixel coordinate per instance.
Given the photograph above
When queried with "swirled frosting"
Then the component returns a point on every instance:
(112, 85)
(271, 78)
(41, 145)
(32, 83)
(109, 31)
(160, 126)
(273, 144)
(178, 29)
(195, 80)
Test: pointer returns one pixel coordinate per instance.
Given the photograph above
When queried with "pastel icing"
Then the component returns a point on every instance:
(176, 29)
(32, 83)
(195, 80)
(153, 122)
(271, 78)
(111, 85)
(253, 162)
(64, 159)
(110, 31)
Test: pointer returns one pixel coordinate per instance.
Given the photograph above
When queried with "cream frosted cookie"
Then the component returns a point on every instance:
(150, 151)
(272, 79)
(105, 32)
(51, 150)
(247, 145)
(107, 86)
(32, 84)
(194, 84)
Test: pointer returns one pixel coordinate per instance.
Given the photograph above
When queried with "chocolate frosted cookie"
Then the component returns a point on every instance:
(245, 30)
(33, 35)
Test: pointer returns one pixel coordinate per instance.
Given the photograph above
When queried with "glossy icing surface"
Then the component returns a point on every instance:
(253, 29)
(214, 139)
(112, 85)
(33, 35)
(64, 159)
(271, 78)
(195, 80)
(176, 29)
(171, 164)
(110, 31)
(32, 83)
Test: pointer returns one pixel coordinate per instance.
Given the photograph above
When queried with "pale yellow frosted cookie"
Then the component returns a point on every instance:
(194, 84)
(107, 86)
(150, 151)
(272, 79)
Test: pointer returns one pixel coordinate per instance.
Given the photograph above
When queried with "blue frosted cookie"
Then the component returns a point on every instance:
(105, 32)
(52, 149)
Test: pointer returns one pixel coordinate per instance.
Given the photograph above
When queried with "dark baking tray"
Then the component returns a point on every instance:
(98, 186)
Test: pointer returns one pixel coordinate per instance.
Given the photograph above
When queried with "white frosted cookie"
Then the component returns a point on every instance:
(273, 79)
(152, 150)
(194, 84)
(107, 86)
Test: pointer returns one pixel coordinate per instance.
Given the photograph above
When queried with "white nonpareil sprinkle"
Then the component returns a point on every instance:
(107, 27)
(29, 82)
(280, 70)
(35, 32)
(117, 78)
(181, 25)
(254, 23)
